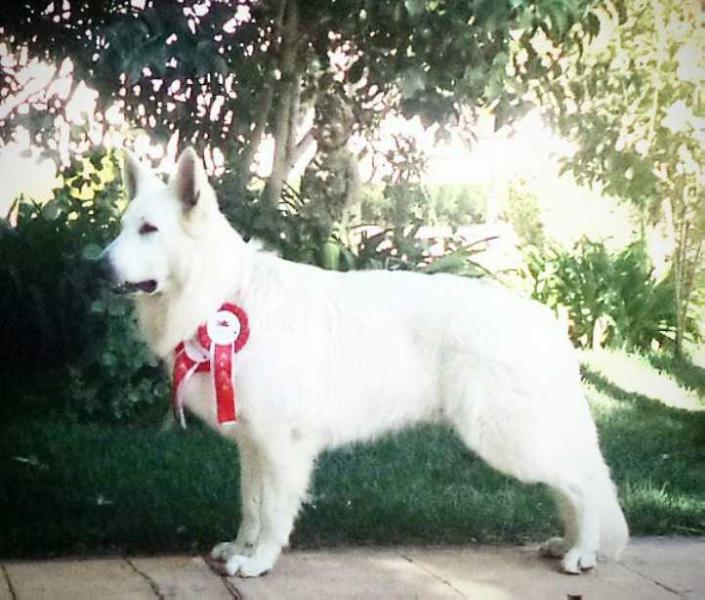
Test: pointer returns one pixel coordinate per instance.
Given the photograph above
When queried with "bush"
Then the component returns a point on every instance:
(58, 321)
(294, 233)
(524, 213)
(618, 288)
(443, 204)
(47, 282)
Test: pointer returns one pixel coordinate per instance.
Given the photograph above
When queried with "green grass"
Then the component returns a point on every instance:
(68, 488)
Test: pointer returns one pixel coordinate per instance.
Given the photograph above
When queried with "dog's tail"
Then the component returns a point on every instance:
(614, 532)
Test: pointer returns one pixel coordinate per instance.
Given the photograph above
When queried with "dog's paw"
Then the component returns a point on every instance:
(226, 550)
(248, 566)
(555, 547)
(578, 560)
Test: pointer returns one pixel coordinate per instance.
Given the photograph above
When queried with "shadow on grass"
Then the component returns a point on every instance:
(657, 456)
(683, 371)
(68, 488)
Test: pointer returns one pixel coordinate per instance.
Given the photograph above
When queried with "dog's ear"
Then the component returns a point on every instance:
(190, 180)
(132, 174)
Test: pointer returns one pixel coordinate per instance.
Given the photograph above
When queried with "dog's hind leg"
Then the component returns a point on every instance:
(538, 439)
(581, 540)
(286, 472)
(599, 523)
(250, 504)
(576, 502)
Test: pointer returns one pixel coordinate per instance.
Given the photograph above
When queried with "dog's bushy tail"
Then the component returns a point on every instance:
(614, 532)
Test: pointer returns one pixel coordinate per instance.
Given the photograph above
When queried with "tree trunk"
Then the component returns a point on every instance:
(288, 96)
(255, 138)
(680, 226)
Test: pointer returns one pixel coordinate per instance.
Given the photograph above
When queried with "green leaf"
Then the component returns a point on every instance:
(91, 251)
(51, 210)
(412, 81)
(450, 263)
(415, 7)
(108, 359)
(330, 255)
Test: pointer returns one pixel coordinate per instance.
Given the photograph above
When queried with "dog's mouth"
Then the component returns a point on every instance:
(148, 286)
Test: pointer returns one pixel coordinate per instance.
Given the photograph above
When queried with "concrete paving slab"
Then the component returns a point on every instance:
(5, 591)
(182, 577)
(77, 580)
(345, 574)
(675, 563)
(652, 569)
(521, 574)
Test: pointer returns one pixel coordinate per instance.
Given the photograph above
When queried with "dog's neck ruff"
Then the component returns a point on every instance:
(212, 350)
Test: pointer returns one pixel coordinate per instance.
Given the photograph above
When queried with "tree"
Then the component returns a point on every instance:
(224, 73)
(634, 103)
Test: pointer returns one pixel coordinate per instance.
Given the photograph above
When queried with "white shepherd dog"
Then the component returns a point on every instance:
(334, 358)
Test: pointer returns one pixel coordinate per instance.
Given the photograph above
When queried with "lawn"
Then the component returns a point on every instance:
(69, 488)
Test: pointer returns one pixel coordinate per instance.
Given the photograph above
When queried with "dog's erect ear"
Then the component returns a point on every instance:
(132, 174)
(190, 179)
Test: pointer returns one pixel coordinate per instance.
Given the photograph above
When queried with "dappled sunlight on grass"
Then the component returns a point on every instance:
(634, 374)
(601, 404)
(656, 452)
(657, 504)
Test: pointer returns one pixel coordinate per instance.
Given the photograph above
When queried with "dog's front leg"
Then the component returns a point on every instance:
(286, 467)
(250, 504)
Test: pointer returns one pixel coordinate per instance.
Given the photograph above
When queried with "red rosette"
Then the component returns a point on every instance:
(229, 331)
(242, 336)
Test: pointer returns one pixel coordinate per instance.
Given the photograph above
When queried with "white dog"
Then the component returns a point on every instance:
(337, 357)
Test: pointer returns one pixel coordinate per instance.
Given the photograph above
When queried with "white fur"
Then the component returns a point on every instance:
(334, 358)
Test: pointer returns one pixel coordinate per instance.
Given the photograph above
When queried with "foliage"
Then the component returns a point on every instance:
(297, 233)
(45, 278)
(618, 289)
(293, 232)
(58, 317)
(633, 104)
(120, 381)
(522, 210)
(224, 74)
(451, 204)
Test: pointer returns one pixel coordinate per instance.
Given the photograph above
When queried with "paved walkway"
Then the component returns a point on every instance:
(652, 569)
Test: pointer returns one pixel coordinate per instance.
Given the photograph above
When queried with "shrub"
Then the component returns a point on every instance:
(46, 280)
(293, 233)
(443, 204)
(58, 321)
(618, 288)
(522, 210)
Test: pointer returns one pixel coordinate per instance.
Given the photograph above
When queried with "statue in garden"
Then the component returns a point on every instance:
(331, 182)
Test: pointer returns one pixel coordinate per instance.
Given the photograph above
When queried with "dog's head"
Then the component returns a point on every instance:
(161, 227)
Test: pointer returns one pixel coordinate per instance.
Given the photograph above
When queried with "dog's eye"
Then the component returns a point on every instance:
(147, 228)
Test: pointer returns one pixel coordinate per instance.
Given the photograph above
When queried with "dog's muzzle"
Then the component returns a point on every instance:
(105, 271)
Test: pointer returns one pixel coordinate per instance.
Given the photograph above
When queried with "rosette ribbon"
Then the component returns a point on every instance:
(213, 350)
